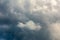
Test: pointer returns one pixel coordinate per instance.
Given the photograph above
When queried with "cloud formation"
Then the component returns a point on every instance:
(30, 25)
(29, 19)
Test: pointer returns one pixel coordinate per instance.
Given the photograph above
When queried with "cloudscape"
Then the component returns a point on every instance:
(29, 19)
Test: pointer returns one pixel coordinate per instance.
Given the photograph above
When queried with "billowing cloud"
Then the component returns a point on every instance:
(30, 19)
(30, 25)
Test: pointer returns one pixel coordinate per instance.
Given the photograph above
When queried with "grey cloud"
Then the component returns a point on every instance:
(12, 14)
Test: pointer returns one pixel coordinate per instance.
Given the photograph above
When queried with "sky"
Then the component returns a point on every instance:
(29, 19)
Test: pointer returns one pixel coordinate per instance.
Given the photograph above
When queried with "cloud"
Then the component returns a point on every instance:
(30, 19)
(54, 31)
(30, 25)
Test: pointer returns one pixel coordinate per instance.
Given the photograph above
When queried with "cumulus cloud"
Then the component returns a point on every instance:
(30, 25)
(30, 19)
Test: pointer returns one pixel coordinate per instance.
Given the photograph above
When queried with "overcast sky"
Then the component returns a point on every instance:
(29, 19)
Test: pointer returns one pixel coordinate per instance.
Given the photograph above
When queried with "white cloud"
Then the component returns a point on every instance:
(30, 25)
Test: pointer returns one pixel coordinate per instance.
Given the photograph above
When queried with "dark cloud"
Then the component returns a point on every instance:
(12, 13)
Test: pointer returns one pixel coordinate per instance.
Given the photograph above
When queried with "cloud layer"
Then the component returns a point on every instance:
(29, 19)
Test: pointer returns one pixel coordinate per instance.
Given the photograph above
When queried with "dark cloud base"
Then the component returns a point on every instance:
(14, 32)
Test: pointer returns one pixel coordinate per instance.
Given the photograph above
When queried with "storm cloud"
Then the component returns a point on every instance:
(29, 20)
